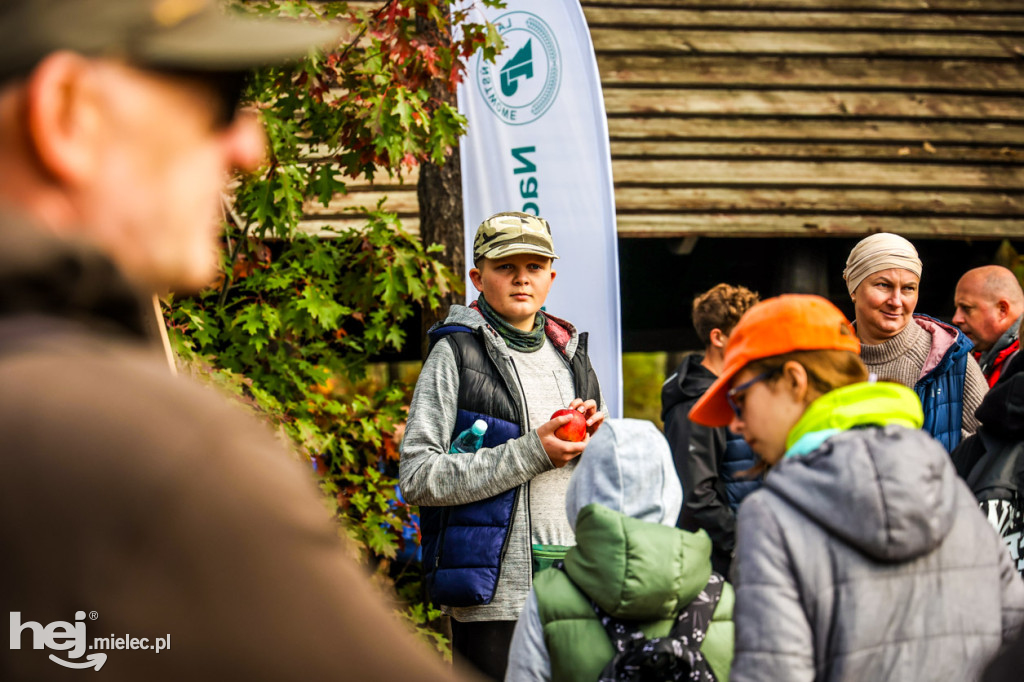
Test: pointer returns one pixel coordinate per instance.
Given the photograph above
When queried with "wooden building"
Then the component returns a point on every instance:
(754, 141)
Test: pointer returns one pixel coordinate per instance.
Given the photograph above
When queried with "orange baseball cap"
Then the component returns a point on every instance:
(783, 324)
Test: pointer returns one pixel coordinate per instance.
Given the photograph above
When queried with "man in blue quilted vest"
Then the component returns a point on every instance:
(709, 460)
(491, 517)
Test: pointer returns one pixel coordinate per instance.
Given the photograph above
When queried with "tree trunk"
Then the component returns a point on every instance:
(439, 191)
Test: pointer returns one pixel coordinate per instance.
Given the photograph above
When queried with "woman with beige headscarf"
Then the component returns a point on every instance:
(883, 274)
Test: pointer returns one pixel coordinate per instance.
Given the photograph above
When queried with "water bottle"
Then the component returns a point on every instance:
(472, 439)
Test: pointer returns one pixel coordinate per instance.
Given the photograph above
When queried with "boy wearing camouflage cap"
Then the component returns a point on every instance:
(490, 518)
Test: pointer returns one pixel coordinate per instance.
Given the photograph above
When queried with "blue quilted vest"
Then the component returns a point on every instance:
(463, 545)
(737, 457)
(942, 391)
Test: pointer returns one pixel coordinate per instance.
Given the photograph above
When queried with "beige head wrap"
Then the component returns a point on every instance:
(880, 251)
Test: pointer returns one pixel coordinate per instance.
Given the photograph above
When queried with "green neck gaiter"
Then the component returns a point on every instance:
(517, 339)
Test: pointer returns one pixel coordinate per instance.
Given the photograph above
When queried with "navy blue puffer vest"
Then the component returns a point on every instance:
(942, 391)
(463, 545)
(737, 457)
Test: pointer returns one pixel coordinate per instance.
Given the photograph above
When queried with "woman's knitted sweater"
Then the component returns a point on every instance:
(902, 359)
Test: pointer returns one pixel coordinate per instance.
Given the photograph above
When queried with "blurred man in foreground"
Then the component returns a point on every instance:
(148, 527)
(989, 310)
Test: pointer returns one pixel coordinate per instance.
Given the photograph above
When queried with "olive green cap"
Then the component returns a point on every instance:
(199, 35)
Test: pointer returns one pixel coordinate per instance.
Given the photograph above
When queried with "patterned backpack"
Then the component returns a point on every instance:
(676, 656)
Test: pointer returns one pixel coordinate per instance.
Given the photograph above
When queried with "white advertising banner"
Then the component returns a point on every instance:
(538, 143)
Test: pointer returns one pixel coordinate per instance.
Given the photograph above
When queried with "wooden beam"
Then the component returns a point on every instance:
(835, 73)
(622, 128)
(819, 150)
(403, 202)
(822, 103)
(768, 173)
(771, 225)
(820, 19)
(801, 200)
(784, 43)
(325, 228)
(925, 6)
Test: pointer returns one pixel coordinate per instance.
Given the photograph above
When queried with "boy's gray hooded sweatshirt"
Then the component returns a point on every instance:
(429, 475)
(628, 468)
(868, 559)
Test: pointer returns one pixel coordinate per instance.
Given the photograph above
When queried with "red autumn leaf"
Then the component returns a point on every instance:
(263, 255)
(390, 450)
(242, 267)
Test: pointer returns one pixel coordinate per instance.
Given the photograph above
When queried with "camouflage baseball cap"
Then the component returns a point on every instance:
(506, 234)
(199, 35)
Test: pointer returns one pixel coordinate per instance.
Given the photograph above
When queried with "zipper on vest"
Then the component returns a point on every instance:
(442, 534)
(511, 522)
(529, 530)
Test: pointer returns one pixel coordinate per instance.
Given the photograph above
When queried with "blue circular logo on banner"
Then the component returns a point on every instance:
(523, 83)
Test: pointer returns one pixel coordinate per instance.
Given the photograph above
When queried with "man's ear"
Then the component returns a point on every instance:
(476, 279)
(62, 115)
(1003, 306)
(717, 338)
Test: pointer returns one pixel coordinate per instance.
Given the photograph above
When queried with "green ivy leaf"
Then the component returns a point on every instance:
(251, 319)
(321, 307)
(325, 185)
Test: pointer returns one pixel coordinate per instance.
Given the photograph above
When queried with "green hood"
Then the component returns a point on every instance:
(635, 569)
(862, 404)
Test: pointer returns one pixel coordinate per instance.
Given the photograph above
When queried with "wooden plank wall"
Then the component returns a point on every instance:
(805, 117)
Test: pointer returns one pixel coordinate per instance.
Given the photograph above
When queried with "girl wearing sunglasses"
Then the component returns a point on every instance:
(863, 556)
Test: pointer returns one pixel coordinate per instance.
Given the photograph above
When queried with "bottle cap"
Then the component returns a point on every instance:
(479, 427)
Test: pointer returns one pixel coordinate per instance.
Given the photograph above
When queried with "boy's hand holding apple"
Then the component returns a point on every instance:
(559, 450)
(589, 410)
(566, 435)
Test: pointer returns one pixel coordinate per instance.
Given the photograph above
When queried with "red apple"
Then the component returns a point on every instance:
(575, 430)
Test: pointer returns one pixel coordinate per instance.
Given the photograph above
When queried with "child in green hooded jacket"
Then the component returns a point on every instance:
(630, 560)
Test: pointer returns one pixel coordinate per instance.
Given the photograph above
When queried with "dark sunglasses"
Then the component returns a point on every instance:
(228, 86)
(735, 391)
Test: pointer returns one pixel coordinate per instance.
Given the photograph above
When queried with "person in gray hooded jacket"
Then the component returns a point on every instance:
(623, 501)
(863, 556)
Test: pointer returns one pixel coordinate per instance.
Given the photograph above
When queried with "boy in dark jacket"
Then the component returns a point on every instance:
(488, 516)
(708, 459)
